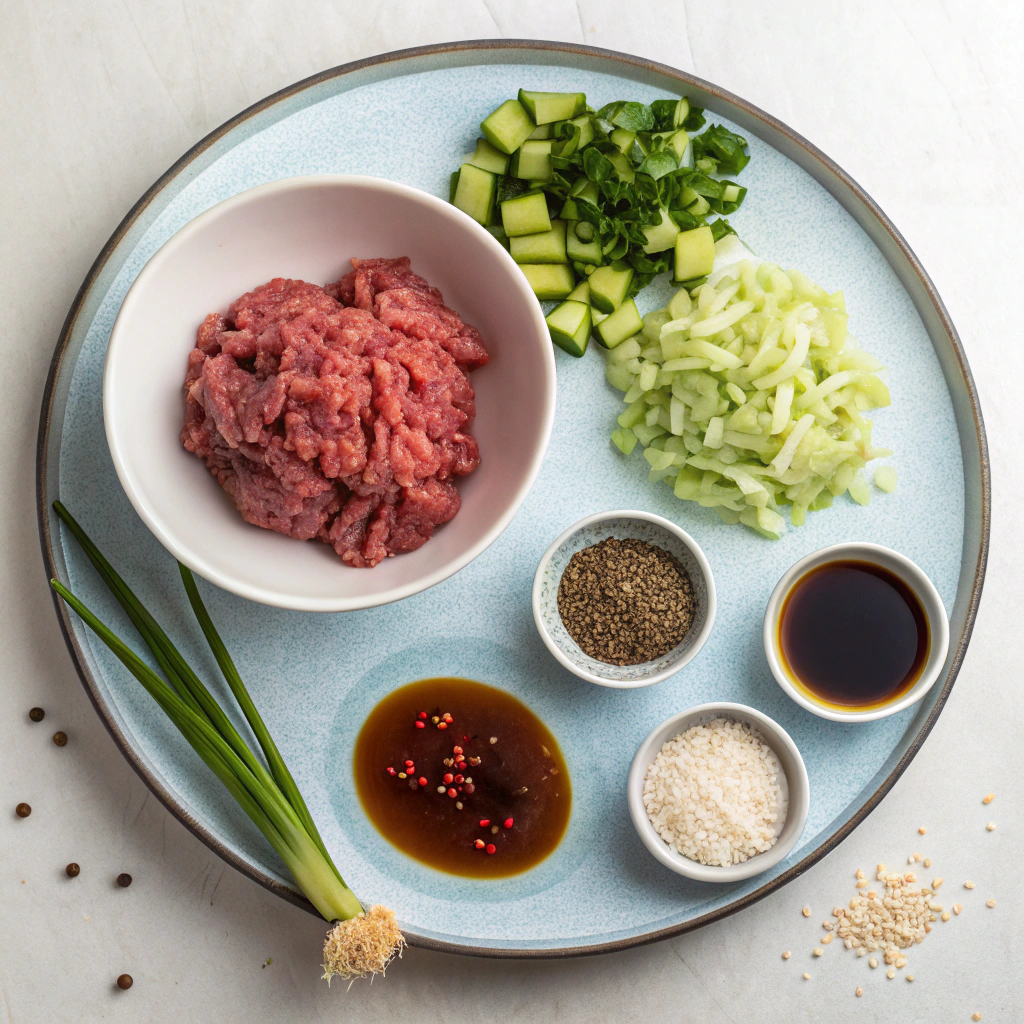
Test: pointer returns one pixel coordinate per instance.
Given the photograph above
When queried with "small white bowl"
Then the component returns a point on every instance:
(795, 785)
(622, 525)
(906, 570)
(308, 228)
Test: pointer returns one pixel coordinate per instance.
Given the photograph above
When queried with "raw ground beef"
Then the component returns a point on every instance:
(339, 413)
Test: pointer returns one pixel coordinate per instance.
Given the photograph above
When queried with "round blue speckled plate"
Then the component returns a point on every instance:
(409, 116)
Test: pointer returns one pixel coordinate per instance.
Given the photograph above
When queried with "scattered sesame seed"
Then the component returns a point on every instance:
(807, 977)
(818, 951)
(859, 992)
(927, 862)
(786, 955)
(910, 977)
(990, 903)
(859, 873)
(989, 797)
(911, 877)
(862, 883)
(990, 827)
(901, 963)
(890, 974)
(494, 739)
(826, 939)
(922, 830)
(945, 915)
(936, 882)
(975, 1016)
(956, 909)
(872, 963)
(806, 911)
(968, 885)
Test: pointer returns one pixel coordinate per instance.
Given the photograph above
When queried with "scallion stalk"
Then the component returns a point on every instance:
(360, 942)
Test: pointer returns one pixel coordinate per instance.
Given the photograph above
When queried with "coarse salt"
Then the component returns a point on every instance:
(716, 793)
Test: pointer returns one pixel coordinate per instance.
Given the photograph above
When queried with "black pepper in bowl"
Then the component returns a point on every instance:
(625, 602)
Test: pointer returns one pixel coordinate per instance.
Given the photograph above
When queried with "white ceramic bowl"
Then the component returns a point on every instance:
(795, 784)
(641, 526)
(906, 570)
(309, 228)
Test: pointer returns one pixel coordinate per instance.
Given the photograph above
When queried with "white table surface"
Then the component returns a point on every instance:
(920, 100)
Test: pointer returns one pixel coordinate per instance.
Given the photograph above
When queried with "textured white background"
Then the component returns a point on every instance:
(919, 100)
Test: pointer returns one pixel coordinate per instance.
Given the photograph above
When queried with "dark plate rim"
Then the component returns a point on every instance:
(484, 47)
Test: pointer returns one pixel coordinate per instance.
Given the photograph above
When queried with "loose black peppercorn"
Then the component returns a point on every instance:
(625, 602)
(23, 810)
(124, 880)
(124, 982)
(72, 870)
(37, 714)
(60, 738)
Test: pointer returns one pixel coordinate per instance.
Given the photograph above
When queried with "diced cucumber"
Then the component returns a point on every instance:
(545, 107)
(541, 247)
(661, 236)
(677, 144)
(622, 140)
(620, 325)
(525, 215)
(499, 233)
(583, 251)
(488, 158)
(551, 282)
(680, 304)
(699, 207)
(695, 253)
(532, 160)
(453, 184)
(623, 168)
(586, 127)
(731, 193)
(609, 286)
(581, 293)
(583, 190)
(586, 189)
(542, 131)
(508, 127)
(474, 192)
(569, 324)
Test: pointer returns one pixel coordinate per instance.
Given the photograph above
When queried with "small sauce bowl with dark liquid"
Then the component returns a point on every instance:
(855, 632)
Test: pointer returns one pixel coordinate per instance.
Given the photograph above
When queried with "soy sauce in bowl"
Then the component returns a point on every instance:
(853, 635)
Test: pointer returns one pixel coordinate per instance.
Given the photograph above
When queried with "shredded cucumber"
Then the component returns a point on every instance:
(747, 395)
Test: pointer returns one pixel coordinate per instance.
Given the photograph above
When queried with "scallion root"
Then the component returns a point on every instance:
(364, 944)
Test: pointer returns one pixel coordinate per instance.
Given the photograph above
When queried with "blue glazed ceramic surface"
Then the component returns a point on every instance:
(316, 676)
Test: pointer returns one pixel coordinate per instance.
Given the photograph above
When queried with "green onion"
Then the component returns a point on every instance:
(361, 942)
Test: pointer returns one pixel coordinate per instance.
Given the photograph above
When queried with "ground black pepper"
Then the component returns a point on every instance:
(625, 602)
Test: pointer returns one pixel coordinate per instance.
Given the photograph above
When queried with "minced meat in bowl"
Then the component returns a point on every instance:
(340, 413)
(430, 421)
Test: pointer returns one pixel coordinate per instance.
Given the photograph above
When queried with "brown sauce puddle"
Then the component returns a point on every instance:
(522, 776)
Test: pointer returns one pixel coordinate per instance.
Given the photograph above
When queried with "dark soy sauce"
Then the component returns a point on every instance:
(853, 635)
(521, 775)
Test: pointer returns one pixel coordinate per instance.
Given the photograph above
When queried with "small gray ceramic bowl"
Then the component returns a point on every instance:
(622, 525)
(795, 785)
